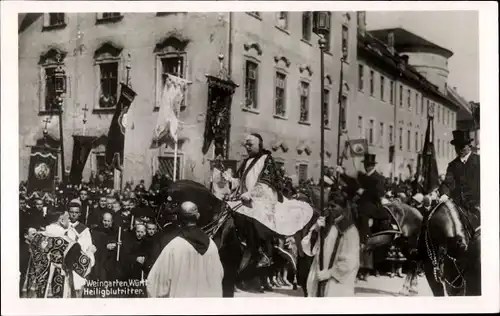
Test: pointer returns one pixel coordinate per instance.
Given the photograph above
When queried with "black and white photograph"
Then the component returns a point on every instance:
(320, 152)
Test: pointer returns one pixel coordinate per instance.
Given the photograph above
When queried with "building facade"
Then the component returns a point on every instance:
(273, 57)
(400, 76)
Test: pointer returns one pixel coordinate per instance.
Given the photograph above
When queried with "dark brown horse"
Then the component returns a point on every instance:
(453, 251)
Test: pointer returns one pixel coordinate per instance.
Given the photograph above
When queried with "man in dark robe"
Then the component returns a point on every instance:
(85, 209)
(135, 248)
(157, 242)
(28, 217)
(105, 239)
(24, 255)
(96, 212)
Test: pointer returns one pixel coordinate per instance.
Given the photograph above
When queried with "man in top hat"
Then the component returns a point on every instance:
(370, 189)
(462, 180)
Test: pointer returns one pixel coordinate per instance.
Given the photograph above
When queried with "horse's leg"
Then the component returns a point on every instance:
(473, 270)
(410, 276)
(436, 287)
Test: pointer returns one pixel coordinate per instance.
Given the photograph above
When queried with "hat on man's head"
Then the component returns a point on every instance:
(461, 137)
(370, 159)
(75, 202)
(419, 197)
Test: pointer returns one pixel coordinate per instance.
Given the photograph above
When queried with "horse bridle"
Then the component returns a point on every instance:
(437, 260)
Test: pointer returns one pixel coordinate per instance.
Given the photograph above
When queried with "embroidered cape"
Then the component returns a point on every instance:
(52, 260)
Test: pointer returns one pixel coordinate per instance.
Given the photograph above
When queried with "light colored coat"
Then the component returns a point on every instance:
(85, 241)
(180, 271)
(342, 275)
(284, 218)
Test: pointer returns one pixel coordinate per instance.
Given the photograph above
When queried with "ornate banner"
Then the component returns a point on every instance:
(42, 169)
(217, 124)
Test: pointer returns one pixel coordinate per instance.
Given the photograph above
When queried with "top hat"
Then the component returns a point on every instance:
(369, 159)
(461, 137)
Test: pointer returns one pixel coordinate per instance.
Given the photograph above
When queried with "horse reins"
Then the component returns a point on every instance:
(435, 261)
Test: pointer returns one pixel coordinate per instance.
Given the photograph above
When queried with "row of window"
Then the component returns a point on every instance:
(281, 99)
(282, 22)
(413, 99)
(109, 71)
(58, 20)
(443, 148)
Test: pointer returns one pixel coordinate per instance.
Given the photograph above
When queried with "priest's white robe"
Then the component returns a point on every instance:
(85, 240)
(180, 271)
(342, 275)
(284, 218)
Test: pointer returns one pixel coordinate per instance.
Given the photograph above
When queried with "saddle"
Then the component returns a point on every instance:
(471, 220)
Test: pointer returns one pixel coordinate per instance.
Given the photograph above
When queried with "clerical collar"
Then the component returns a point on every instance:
(74, 224)
(464, 159)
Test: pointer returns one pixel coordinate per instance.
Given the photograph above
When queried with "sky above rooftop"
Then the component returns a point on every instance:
(457, 31)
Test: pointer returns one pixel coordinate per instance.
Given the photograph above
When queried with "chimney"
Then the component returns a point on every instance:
(361, 22)
(390, 42)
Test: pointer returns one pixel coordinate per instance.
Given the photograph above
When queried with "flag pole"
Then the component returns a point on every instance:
(175, 160)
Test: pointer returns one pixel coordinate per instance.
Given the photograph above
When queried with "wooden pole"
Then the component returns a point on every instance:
(322, 44)
(175, 160)
(119, 241)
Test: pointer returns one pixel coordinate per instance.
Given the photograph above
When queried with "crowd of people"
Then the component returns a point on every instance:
(117, 230)
(117, 226)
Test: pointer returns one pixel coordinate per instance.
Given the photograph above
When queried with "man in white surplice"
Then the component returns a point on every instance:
(80, 233)
(259, 186)
(189, 264)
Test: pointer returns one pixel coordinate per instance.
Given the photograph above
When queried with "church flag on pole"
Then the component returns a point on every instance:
(358, 147)
(116, 134)
(173, 97)
(429, 167)
(82, 146)
(42, 169)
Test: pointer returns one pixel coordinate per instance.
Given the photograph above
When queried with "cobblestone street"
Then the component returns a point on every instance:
(374, 286)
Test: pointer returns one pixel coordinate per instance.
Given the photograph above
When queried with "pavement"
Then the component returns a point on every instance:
(373, 286)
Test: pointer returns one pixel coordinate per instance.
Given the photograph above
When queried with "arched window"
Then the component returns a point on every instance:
(108, 69)
(47, 90)
(171, 59)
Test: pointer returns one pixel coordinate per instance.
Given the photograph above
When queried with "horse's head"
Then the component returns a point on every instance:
(447, 230)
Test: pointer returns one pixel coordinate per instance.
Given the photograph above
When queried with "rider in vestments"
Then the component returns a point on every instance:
(462, 181)
(260, 190)
(54, 258)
